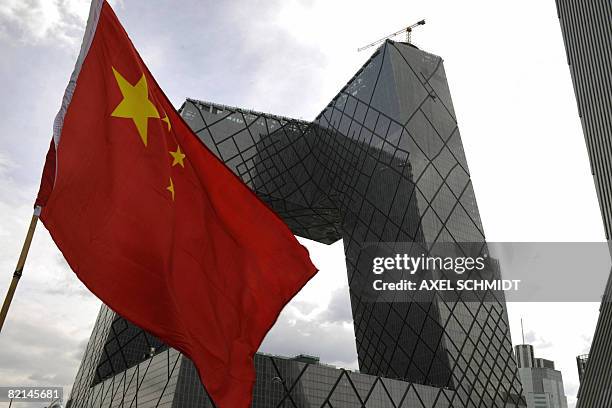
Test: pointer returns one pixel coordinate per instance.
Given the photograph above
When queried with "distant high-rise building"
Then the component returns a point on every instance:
(383, 162)
(524, 355)
(542, 384)
(587, 33)
(581, 362)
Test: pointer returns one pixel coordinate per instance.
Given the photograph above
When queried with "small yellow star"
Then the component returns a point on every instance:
(170, 188)
(135, 104)
(167, 120)
(177, 157)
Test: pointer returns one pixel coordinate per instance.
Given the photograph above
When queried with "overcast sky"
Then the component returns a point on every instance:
(512, 93)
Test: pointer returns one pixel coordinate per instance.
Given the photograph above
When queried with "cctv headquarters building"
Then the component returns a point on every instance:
(383, 162)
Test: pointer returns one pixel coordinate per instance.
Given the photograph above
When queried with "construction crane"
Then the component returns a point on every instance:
(407, 30)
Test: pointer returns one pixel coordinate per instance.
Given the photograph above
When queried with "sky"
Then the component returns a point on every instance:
(512, 93)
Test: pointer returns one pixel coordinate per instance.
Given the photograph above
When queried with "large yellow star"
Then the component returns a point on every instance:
(135, 104)
(177, 157)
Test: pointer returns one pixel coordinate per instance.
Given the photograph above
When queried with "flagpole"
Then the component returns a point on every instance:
(19, 268)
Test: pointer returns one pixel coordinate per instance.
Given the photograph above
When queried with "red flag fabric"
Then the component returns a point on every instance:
(156, 226)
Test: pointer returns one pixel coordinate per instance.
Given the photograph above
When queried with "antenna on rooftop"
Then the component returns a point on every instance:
(407, 30)
(522, 331)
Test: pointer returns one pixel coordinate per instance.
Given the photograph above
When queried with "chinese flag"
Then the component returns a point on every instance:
(156, 226)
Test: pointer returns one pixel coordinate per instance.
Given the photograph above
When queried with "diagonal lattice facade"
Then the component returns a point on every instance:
(382, 163)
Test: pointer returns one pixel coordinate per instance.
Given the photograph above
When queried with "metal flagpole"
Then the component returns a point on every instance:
(19, 268)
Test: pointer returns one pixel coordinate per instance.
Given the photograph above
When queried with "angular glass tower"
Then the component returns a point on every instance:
(383, 162)
(587, 33)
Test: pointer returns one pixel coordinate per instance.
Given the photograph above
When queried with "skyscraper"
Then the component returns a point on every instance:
(587, 34)
(581, 363)
(542, 384)
(383, 162)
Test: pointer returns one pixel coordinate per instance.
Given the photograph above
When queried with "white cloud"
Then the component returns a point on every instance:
(44, 20)
(58, 22)
(52, 314)
(321, 311)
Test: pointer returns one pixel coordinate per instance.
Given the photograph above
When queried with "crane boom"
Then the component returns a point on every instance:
(406, 30)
